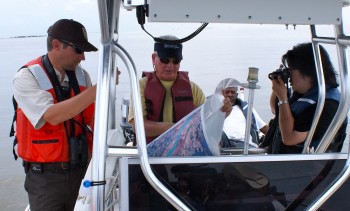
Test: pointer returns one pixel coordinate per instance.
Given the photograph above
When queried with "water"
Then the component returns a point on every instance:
(210, 57)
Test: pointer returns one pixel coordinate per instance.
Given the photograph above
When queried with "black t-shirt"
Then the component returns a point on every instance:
(303, 121)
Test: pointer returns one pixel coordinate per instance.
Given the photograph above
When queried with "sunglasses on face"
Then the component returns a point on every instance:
(77, 50)
(166, 61)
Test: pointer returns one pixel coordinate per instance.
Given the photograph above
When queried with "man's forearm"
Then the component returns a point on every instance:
(67, 109)
(153, 128)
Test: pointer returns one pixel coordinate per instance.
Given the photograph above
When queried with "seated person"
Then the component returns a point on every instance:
(167, 94)
(198, 133)
(295, 115)
(235, 123)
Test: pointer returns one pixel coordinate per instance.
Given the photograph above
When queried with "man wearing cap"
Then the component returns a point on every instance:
(54, 118)
(167, 94)
(235, 123)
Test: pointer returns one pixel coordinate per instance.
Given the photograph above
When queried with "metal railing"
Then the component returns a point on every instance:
(341, 43)
(108, 12)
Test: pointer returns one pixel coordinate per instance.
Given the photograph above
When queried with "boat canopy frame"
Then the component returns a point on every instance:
(312, 13)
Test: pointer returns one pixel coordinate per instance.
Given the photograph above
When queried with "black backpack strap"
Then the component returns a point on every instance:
(12, 132)
(15, 141)
(15, 106)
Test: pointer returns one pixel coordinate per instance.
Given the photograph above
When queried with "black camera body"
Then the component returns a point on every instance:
(283, 72)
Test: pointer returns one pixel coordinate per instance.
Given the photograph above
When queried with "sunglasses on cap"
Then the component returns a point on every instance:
(166, 61)
(77, 50)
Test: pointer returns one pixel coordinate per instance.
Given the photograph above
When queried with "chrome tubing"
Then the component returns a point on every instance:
(321, 94)
(344, 104)
(140, 132)
(122, 152)
(100, 130)
(333, 187)
(342, 40)
(105, 87)
(251, 86)
(123, 184)
(104, 27)
(248, 121)
(338, 119)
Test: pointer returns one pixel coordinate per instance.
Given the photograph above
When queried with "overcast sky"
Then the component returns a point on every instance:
(33, 17)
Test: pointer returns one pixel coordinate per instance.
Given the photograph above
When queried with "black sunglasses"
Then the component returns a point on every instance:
(166, 61)
(77, 50)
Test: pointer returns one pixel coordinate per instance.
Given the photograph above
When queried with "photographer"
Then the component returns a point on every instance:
(294, 115)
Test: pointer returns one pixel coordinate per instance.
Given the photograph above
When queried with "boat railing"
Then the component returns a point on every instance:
(106, 109)
(140, 132)
(332, 187)
(109, 49)
(341, 42)
(321, 94)
(105, 106)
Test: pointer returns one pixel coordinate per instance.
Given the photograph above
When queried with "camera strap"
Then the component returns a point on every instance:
(73, 82)
(56, 86)
(78, 150)
(82, 142)
(53, 78)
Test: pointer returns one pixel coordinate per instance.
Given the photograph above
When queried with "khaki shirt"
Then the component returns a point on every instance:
(198, 99)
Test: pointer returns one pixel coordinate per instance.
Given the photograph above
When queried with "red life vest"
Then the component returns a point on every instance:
(49, 143)
(181, 93)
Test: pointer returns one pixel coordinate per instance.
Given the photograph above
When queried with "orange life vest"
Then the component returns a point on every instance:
(181, 93)
(50, 142)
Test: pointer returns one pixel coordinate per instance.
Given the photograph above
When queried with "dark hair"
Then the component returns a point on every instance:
(301, 57)
(49, 43)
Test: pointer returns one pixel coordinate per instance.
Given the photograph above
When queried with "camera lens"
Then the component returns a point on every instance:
(283, 72)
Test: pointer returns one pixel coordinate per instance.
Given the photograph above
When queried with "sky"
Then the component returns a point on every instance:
(33, 17)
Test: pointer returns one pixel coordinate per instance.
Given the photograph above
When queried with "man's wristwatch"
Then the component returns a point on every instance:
(281, 102)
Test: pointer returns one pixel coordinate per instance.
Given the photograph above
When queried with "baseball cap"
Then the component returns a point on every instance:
(165, 51)
(71, 31)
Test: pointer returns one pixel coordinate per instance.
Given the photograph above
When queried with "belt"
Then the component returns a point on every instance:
(59, 167)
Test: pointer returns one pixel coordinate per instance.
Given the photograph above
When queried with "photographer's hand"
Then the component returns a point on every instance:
(290, 136)
(280, 89)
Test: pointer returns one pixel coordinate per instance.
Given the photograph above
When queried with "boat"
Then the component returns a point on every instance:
(125, 178)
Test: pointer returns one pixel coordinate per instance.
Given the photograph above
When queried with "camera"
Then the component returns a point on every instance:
(283, 72)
